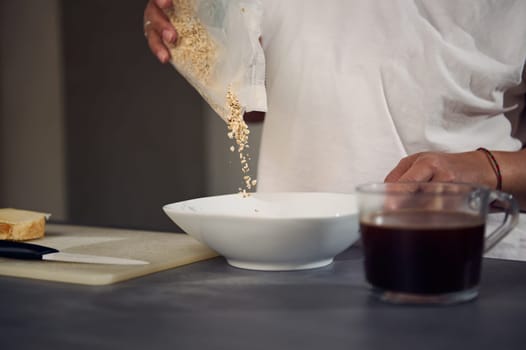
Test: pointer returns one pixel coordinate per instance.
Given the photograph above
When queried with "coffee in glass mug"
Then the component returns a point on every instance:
(424, 242)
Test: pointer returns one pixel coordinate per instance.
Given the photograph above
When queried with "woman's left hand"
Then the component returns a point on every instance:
(472, 167)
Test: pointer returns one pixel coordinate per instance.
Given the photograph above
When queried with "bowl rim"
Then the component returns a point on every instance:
(167, 208)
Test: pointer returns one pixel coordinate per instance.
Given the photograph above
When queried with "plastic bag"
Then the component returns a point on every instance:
(218, 52)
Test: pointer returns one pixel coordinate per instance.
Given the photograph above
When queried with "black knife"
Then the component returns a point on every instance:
(30, 251)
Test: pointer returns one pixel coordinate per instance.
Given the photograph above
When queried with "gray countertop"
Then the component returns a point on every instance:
(210, 305)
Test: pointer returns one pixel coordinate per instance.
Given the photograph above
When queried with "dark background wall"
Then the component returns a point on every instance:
(133, 127)
(31, 137)
(2, 162)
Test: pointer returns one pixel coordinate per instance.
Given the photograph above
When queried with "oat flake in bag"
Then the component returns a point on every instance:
(218, 51)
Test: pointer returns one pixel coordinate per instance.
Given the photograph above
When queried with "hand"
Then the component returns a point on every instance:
(471, 167)
(158, 30)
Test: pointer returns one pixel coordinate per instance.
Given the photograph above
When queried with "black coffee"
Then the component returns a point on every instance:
(424, 252)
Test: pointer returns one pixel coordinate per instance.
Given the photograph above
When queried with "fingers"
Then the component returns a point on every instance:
(418, 172)
(158, 30)
(164, 4)
(415, 168)
(402, 167)
(157, 47)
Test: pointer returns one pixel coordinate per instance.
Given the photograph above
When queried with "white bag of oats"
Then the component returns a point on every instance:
(218, 52)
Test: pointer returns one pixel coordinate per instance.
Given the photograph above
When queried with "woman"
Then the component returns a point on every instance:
(355, 86)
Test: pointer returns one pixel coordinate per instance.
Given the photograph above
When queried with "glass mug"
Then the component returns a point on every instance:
(423, 242)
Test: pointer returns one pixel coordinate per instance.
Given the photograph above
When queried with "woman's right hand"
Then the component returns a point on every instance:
(158, 30)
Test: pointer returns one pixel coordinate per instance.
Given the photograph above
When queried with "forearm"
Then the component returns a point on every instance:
(513, 169)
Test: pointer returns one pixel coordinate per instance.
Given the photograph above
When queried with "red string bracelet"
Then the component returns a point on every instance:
(494, 165)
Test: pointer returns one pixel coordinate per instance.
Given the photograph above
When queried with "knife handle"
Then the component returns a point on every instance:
(20, 250)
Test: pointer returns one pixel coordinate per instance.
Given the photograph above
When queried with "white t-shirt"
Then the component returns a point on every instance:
(355, 85)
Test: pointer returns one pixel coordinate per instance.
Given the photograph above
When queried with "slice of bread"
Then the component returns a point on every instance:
(21, 225)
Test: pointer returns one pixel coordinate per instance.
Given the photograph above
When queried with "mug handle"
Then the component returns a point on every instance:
(511, 218)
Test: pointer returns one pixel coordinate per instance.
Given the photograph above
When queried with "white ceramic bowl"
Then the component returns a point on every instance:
(271, 231)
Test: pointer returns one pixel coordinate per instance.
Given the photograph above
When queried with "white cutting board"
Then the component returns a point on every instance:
(162, 250)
